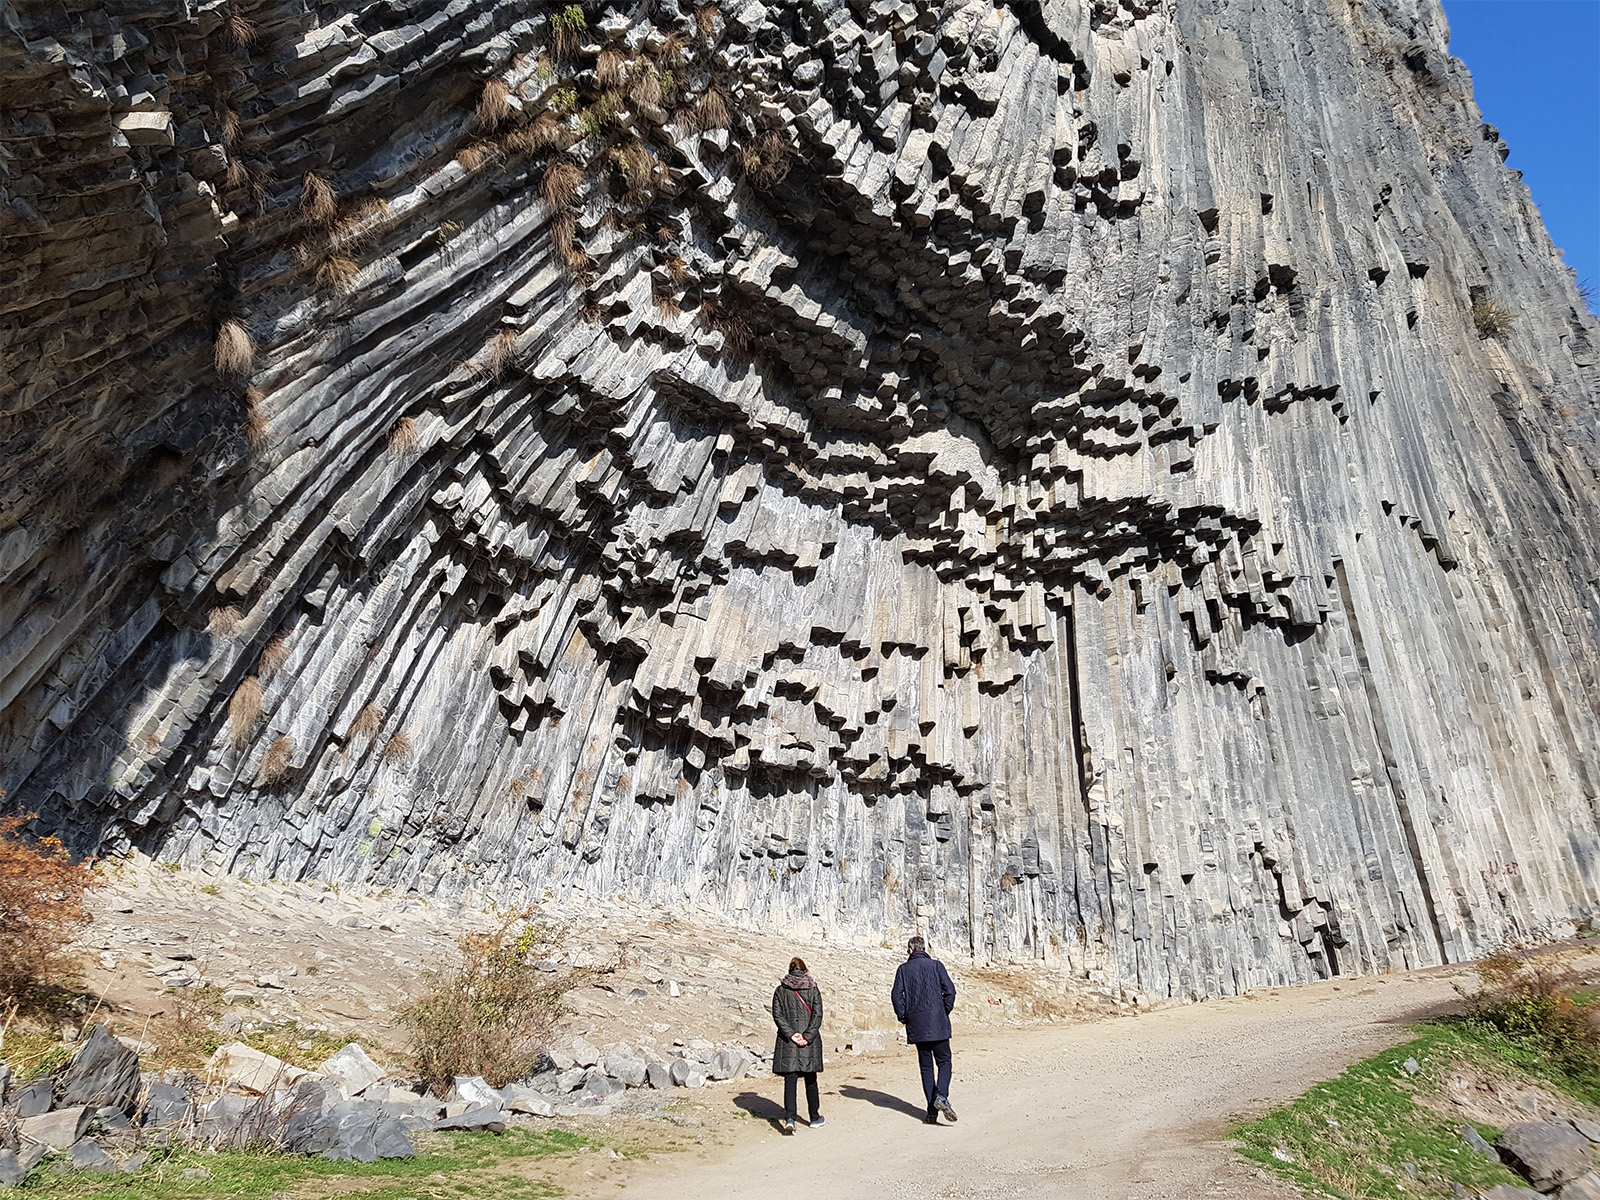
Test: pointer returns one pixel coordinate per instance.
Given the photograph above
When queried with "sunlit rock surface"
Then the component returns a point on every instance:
(1105, 482)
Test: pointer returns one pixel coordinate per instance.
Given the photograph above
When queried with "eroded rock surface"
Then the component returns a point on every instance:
(1109, 481)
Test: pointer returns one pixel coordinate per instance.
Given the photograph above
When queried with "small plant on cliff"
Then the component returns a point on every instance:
(566, 28)
(1492, 320)
(41, 908)
(493, 1015)
(317, 200)
(276, 762)
(494, 104)
(367, 723)
(244, 711)
(398, 748)
(403, 438)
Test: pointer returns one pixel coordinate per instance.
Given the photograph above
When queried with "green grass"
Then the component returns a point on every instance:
(447, 1167)
(1354, 1136)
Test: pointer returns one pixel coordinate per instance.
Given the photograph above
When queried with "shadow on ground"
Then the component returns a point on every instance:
(882, 1100)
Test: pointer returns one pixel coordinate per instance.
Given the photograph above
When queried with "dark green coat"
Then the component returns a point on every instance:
(790, 1016)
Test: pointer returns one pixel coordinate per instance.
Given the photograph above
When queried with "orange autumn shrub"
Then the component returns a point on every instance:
(42, 908)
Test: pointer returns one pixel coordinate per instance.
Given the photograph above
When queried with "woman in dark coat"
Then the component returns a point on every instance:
(797, 1012)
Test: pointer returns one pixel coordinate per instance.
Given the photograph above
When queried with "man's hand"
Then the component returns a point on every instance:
(798, 1039)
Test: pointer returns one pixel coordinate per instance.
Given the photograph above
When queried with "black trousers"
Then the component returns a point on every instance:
(790, 1080)
(930, 1055)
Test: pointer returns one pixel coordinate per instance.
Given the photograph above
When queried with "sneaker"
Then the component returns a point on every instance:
(788, 1128)
(943, 1106)
(818, 1122)
(932, 1118)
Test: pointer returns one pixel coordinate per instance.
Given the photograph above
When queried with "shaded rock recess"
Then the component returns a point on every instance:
(1110, 482)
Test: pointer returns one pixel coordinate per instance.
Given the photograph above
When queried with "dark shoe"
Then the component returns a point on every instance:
(787, 1128)
(818, 1122)
(932, 1118)
(943, 1106)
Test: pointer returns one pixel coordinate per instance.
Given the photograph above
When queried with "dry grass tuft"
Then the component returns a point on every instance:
(644, 89)
(735, 333)
(276, 761)
(561, 185)
(494, 104)
(566, 31)
(235, 352)
(677, 269)
(273, 655)
(1492, 320)
(610, 67)
(667, 304)
(404, 437)
(671, 53)
(398, 748)
(317, 200)
(472, 157)
(705, 21)
(766, 160)
(638, 167)
(256, 425)
(367, 723)
(221, 622)
(230, 127)
(712, 111)
(336, 272)
(237, 175)
(502, 352)
(241, 29)
(244, 711)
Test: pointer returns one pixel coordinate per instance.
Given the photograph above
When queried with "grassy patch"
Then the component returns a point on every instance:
(1365, 1134)
(447, 1167)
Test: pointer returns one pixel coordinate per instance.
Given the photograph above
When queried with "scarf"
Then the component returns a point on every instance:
(798, 982)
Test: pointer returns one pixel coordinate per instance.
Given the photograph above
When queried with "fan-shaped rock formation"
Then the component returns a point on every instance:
(1109, 481)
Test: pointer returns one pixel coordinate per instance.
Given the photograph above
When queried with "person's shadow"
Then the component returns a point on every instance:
(761, 1108)
(882, 1100)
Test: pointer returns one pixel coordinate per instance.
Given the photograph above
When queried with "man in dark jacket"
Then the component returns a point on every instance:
(923, 997)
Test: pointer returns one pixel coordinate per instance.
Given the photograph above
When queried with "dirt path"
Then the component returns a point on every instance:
(1103, 1110)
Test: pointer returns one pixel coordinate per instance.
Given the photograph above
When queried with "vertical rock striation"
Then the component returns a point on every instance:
(1107, 481)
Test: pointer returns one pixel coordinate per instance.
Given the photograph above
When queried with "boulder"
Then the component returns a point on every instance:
(625, 1068)
(220, 1121)
(103, 1072)
(678, 1072)
(583, 1054)
(1584, 1187)
(86, 1155)
(59, 1129)
(34, 1097)
(351, 1068)
(519, 1099)
(1504, 1191)
(5, 1080)
(596, 1083)
(475, 1090)
(571, 1080)
(659, 1075)
(1589, 1129)
(30, 1155)
(1474, 1139)
(1548, 1153)
(238, 1067)
(11, 1172)
(164, 1104)
(491, 1119)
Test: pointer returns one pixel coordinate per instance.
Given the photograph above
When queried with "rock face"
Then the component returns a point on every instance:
(1105, 481)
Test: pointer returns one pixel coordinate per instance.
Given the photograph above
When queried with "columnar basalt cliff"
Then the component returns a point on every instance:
(1108, 481)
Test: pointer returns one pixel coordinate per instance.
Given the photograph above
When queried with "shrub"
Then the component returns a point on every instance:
(41, 907)
(561, 184)
(244, 710)
(705, 20)
(256, 425)
(645, 88)
(492, 1015)
(221, 622)
(235, 351)
(1531, 1002)
(1492, 320)
(502, 352)
(336, 272)
(273, 655)
(241, 29)
(609, 68)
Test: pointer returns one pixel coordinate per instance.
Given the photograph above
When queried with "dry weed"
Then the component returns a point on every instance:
(273, 655)
(336, 272)
(41, 907)
(502, 352)
(610, 67)
(404, 437)
(244, 711)
(562, 182)
(494, 104)
(241, 29)
(367, 723)
(712, 111)
(398, 748)
(317, 200)
(276, 762)
(705, 21)
(255, 422)
(235, 352)
(221, 622)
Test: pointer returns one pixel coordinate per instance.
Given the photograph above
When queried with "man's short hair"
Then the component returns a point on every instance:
(916, 946)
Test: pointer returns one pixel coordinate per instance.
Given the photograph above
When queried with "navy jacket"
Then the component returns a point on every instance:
(923, 997)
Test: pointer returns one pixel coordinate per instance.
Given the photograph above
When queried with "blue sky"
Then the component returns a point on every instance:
(1536, 73)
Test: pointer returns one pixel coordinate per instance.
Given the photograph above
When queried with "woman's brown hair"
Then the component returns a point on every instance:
(797, 966)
